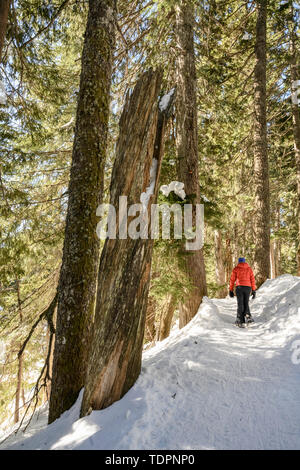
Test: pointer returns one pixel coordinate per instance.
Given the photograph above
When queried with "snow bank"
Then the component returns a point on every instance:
(209, 385)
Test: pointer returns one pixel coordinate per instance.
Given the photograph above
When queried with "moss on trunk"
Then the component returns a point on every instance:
(77, 283)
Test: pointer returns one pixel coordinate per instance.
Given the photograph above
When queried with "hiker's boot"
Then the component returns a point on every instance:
(249, 320)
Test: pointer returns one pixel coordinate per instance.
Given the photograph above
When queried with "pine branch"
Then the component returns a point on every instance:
(42, 30)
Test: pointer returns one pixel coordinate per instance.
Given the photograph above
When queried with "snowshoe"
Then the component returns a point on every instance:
(249, 320)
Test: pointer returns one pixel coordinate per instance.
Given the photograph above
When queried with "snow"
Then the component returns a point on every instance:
(164, 101)
(150, 189)
(209, 385)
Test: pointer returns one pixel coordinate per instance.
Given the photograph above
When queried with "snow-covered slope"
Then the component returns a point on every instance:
(208, 386)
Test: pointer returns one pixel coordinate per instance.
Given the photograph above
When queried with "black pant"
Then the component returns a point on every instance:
(243, 294)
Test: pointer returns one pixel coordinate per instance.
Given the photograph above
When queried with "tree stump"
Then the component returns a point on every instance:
(124, 274)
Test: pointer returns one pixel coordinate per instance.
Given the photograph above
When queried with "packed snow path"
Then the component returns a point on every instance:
(210, 385)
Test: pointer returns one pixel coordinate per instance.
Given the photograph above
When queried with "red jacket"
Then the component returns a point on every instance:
(243, 275)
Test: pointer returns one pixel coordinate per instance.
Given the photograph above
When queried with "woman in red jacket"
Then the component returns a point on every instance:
(243, 276)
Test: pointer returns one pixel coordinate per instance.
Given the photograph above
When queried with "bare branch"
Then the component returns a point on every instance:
(48, 315)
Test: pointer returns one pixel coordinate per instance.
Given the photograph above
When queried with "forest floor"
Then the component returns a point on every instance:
(209, 385)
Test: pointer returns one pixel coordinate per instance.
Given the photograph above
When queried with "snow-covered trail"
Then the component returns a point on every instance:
(208, 386)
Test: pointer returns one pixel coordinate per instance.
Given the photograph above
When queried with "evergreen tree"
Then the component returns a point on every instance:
(77, 283)
(261, 164)
(187, 147)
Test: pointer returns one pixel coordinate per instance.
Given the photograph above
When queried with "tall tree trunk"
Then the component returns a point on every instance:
(275, 245)
(4, 10)
(236, 244)
(295, 77)
(220, 264)
(187, 147)
(50, 339)
(166, 317)
(124, 273)
(272, 259)
(277, 257)
(261, 165)
(150, 326)
(77, 283)
(228, 261)
(277, 242)
(20, 361)
(18, 389)
(150, 321)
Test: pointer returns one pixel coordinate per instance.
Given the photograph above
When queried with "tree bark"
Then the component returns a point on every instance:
(272, 260)
(124, 273)
(277, 242)
(295, 76)
(261, 165)
(150, 321)
(228, 261)
(4, 10)
(20, 361)
(77, 283)
(18, 389)
(167, 317)
(220, 264)
(50, 340)
(187, 148)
